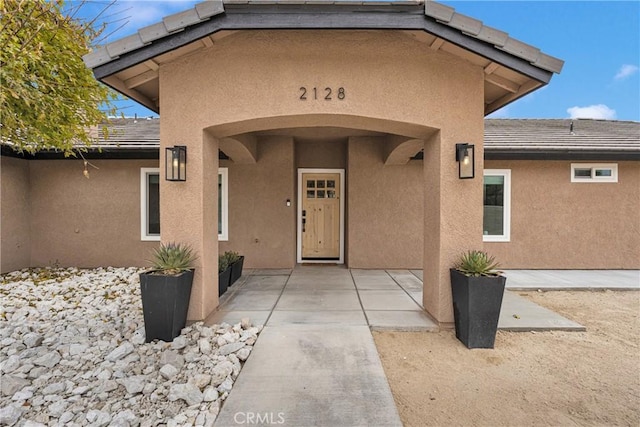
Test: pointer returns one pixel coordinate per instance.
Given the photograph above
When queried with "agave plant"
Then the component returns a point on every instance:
(231, 256)
(172, 258)
(223, 263)
(477, 263)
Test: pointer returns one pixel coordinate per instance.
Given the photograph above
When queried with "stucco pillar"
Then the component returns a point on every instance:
(189, 211)
(452, 214)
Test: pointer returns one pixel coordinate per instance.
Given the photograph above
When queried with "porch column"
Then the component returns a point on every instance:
(189, 211)
(452, 214)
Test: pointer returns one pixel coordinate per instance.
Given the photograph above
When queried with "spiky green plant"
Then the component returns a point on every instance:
(477, 263)
(223, 263)
(172, 258)
(231, 256)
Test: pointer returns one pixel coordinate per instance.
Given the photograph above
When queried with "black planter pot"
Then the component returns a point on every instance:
(165, 302)
(223, 281)
(236, 270)
(476, 308)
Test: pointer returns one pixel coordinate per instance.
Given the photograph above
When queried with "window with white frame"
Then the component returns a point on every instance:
(223, 204)
(592, 172)
(497, 205)
(150, 204)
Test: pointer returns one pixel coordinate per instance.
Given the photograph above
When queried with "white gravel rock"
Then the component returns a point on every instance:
(73, 350)
(9, 415)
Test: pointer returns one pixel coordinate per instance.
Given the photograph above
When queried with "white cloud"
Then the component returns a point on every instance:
(599, 111)
(625, 71)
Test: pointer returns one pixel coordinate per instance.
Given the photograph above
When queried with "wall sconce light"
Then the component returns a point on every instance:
(465, 159)
(175, 163)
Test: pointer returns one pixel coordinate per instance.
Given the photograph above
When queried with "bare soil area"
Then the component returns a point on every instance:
(558, 378)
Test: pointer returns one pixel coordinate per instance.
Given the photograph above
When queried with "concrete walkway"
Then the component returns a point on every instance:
(316, 363)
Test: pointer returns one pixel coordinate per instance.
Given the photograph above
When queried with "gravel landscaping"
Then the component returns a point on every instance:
(73, 352)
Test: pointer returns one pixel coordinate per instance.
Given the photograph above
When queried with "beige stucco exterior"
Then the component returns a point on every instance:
(557, 224)
(53, 215)
(250, 82)
(15, 204)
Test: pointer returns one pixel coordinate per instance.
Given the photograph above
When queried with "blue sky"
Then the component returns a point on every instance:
(598, 40)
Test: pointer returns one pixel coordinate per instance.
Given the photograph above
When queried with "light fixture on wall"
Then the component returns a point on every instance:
(175, 163)
(465, 159)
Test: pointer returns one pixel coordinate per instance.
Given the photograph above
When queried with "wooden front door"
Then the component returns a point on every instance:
(321, 194)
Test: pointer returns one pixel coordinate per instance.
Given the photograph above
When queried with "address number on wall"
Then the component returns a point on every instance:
(328, 94)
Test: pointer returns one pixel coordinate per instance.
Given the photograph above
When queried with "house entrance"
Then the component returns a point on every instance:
(321, 215)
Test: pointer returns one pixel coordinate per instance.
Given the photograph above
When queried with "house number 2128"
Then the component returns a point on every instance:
(327, 93)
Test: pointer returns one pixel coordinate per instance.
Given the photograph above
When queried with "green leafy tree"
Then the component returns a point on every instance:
(48, 98)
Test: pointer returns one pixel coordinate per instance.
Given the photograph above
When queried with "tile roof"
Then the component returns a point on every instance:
(441, 13)
(561, 135)
(500, 135)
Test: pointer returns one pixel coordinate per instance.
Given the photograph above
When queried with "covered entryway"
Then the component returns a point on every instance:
(410, 75)
(320, 216)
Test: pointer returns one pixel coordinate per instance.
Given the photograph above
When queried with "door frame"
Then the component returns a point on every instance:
(299, 259)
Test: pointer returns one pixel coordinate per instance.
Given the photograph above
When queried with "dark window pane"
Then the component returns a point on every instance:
(603, 172)
(331, 184)
(311, 194)
(493, 220)
(219, 203)
(153, 204)
(320, 183)
(311, 184)
(320, 194)
(331, 194)
(582, 173)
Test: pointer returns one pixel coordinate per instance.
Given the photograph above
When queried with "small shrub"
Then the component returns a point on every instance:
(172, 258)
(223, 263)
(477, 263)
(231, 256)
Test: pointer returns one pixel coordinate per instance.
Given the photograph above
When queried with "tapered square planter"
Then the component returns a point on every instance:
(223, 281)
(236, 270)
(165, 302)
(476, 308)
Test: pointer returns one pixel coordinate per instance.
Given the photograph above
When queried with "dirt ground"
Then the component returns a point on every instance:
(587, 378)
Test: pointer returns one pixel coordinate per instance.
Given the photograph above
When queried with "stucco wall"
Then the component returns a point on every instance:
(385, 207)
(559, 224)
(392, 83)
(83, 222)
(261, 225)
(16, 208)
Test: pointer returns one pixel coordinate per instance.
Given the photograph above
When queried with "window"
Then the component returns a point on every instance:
(589, 172)
(150, 204)
(223, 204)
(497, 205)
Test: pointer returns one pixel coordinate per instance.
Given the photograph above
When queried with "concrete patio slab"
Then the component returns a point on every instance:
(357, 272)
(325, 285)
(405, 320)
(375, 282)
(313, 300)
(573, 279)
(313, 375)
(520, 314)
(417, 297)
(269, 272)
(418, 273)
(387, 300)
(325, 317)
(265, 283)
(251, 300)
(233, 317)
(407, 280)
(318, 279)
